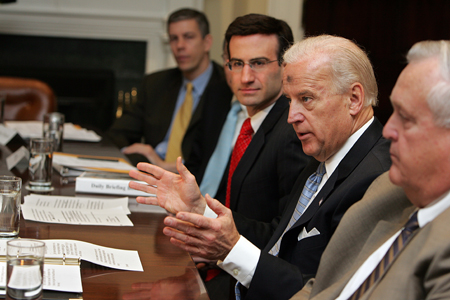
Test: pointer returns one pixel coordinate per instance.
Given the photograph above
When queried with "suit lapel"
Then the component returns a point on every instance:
(350, 161)
(254, 148)
(164, 111)
(293, 199)
(197, 114)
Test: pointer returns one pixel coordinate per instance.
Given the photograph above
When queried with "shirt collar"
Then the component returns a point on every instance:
(432, 210)
(200, 82)
(257, 119)
(332, 163)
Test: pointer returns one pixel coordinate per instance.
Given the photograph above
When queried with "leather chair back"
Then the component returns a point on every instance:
(26, 99)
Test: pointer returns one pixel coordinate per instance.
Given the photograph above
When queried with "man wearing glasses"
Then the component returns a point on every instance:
(270, 157)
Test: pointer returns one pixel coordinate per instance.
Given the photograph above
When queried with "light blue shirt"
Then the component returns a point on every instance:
(198, 87)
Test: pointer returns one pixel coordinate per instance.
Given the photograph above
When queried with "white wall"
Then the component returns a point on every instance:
(138, 20)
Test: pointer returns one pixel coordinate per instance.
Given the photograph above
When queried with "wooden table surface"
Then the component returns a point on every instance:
(169, 273)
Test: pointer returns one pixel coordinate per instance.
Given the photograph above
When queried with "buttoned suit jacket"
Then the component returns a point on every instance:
(151, 115)
(281, 277)
(420, 271)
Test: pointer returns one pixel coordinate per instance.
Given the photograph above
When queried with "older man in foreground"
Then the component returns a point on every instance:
(395, 242)
(332, 88)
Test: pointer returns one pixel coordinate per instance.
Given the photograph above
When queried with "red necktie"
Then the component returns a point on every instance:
(244, 138)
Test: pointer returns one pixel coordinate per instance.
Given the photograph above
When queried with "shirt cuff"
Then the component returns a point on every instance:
(209, 213)
(241, 262)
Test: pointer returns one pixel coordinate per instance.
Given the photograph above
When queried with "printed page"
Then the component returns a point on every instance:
(107, 217)
(68, 202)
(79, 211)
(104, 256)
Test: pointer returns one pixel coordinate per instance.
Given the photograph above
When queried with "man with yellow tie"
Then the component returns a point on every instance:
(165, 120)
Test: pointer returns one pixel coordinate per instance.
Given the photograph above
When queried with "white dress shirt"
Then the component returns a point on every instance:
(424, 216)
(242, 260)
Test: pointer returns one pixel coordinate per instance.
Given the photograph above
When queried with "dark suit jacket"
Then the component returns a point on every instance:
(420, 271)
(281, 277)
(150, 117)
(267, 171)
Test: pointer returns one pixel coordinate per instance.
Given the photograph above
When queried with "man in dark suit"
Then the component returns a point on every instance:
(145, 129)
(332, 88)
(273, 159)
(402, 221)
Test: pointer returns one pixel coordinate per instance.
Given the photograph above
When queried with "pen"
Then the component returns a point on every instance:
(104, 159)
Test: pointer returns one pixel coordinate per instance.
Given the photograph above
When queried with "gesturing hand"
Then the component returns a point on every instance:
(201, 236)
(174, 192)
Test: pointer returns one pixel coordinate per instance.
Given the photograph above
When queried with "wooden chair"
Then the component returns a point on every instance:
(26, 99)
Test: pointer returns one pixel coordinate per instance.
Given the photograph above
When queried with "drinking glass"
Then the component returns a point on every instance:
(40, 165)
(53, 127)
(10, 198)
(24, 269)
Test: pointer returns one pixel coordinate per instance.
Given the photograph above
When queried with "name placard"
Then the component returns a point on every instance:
(20, 157)
(6, 134)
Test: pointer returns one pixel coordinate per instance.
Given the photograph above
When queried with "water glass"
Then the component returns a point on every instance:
(24, 268)
(10, 198)
(40, 165)
(53, 127)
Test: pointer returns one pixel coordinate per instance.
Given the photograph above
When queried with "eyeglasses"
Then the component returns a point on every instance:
(237, 65)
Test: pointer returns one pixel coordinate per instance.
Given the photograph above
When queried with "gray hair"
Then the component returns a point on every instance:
(348, 63)
(439, 95)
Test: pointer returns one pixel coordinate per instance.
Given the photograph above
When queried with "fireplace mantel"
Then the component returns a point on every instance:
(133, 20)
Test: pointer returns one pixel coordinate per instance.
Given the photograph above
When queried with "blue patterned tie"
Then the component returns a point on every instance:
(219, 159)
(310, 188)
(389, 257)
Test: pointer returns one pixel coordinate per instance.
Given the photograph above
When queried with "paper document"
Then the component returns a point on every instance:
(85, 162)
(32, 129)
(73, 210)
(104, 256)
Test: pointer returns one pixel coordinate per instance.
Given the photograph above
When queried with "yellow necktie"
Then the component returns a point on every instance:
(180, 124)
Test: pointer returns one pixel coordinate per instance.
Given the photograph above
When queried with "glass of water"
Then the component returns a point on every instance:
(24, 270)
(10, 198)
(40, 165)
(53, 127)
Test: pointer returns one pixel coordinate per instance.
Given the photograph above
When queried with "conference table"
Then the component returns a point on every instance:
(169, 272)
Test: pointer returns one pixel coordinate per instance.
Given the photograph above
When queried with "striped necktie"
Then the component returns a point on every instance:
(398, 244)
(310, 188)
(179, 126)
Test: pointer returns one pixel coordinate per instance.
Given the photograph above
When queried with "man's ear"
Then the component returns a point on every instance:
(208, 39)
(356, 98)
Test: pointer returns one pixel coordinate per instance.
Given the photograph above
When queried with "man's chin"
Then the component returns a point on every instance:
(395, 175)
